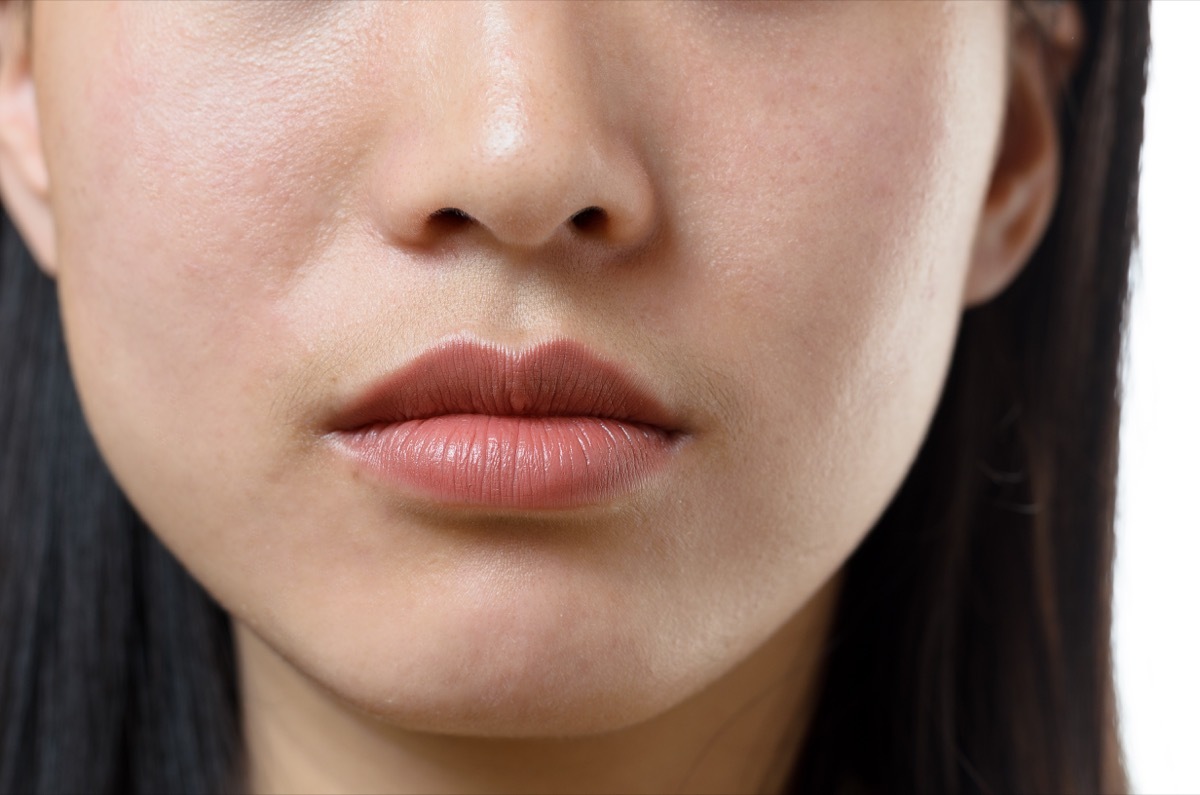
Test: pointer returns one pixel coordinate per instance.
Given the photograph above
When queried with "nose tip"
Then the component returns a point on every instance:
(518, 147)
(529, 201)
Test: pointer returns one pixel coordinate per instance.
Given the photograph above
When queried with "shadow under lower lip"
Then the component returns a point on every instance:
(512, 462)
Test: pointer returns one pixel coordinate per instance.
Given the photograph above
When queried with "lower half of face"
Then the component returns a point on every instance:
(236, 189)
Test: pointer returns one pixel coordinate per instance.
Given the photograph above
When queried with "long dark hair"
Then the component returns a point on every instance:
(971, 649)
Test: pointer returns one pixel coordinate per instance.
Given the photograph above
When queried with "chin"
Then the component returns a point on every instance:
(539, 676)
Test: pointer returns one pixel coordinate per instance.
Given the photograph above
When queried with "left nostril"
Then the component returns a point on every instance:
(589, 219)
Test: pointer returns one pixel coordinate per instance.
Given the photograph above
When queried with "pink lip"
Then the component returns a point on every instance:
(471, 424)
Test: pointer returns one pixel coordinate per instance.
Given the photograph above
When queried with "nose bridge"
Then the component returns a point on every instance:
(525, 78)
(518, 142)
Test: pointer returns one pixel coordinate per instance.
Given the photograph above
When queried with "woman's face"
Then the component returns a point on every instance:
(245, 200)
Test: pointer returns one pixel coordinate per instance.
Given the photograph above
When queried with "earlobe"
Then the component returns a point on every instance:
(1025, 178)
(24, 179)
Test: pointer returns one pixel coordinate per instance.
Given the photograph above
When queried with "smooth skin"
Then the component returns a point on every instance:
(238, 202)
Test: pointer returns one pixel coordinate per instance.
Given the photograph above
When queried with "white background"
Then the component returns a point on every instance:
(1157, 612)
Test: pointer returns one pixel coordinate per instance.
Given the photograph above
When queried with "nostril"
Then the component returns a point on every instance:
(449, 218)
(589, 219)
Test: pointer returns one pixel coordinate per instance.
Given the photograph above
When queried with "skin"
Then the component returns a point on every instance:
(801, 201)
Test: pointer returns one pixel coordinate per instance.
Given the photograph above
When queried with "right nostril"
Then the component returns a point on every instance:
(449, 218)
(589, 219)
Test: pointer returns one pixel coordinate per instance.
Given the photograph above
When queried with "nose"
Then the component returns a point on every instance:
(512, 140)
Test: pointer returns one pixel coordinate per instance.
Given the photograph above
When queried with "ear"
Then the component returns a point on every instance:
(24, 180)
(1046, 41)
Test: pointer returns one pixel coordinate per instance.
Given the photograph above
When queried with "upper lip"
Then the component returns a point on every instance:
(558, 378)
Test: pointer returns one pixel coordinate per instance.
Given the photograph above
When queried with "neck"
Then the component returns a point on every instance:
(739, 734)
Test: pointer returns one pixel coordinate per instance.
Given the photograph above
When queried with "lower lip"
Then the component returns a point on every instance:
(513, 462)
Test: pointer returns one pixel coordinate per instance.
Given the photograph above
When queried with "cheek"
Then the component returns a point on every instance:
(830, 217)
(191, 209)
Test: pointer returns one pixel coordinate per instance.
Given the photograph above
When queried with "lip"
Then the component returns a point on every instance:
(473, 424)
